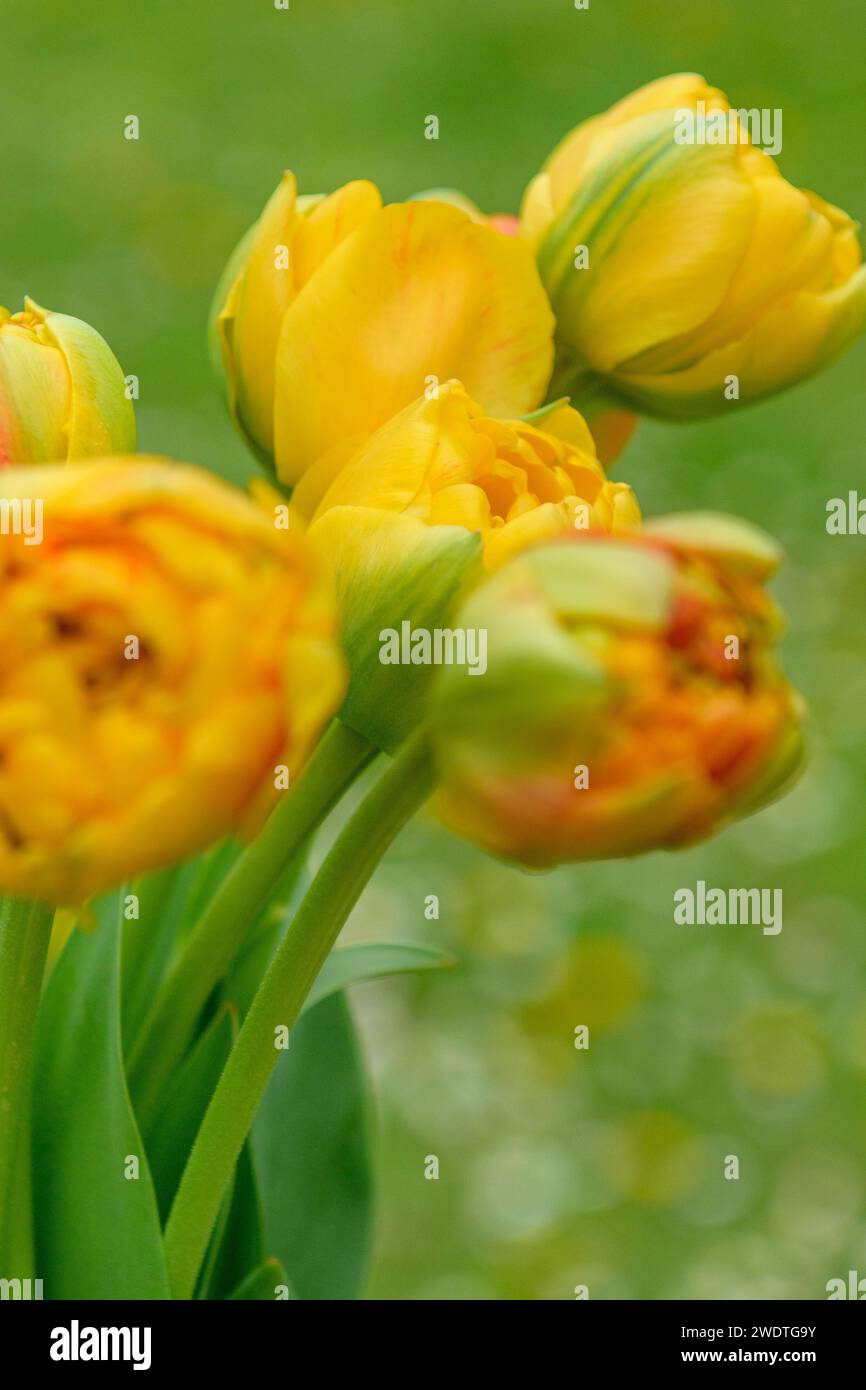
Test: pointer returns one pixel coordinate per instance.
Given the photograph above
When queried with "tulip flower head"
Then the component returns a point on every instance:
(684, 271)
(163, 651)
(336, 312)
(445, 462)
(62, 391)
(432, 499)
(632, 699)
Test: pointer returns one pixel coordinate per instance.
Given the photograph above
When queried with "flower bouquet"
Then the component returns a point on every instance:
(434, 591)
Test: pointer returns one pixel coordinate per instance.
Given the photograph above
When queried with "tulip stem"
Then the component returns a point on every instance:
(287, 982)
(219, 932)
(25, 930)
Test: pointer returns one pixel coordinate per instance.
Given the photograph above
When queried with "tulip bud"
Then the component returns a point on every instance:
(335, 313)
(430, 500)
(683, 270)
(632, 699)
(62, 391)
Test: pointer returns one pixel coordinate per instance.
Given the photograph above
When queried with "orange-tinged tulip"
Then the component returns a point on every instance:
(632, 700)
(163, 650)
(62, 391)
(336, 312)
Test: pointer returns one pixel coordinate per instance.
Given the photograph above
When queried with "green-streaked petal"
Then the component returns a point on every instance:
(742, 545)
(792, 341)
(101, 419)
(34, 400)
(391, 568)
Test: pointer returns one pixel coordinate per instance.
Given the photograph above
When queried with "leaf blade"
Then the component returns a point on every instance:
(373, 960)
(97, 1231)
(311, 1148)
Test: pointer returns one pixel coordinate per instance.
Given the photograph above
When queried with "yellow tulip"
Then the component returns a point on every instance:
(416, 514)
(685, 273)
(62, 391)
(445, 462)
(336, 312)
(632, 699)
(164, 649)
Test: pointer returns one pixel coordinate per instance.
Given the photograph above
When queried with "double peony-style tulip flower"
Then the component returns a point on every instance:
(632, 699)
(163, 649)
(676, 261)
(335, 313)
(432, 499)
(444, 461)
(62, 391)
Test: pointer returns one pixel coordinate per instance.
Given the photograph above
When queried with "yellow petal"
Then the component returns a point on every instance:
(329, 221)
(792, 341)
(101, 417)
(660, 264)
(552, 189)
(34, 399)
(427, 445)
(251, 319)
(418, 291)
(791, 249)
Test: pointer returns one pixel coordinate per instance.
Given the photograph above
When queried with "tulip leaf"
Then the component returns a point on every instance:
(97, 1224)
(310, 1143)
(266, 1282)
(175, 1127)
(349, 965)
(148, 940)
(169, 902)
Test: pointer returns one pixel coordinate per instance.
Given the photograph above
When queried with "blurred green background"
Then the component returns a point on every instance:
(557, 1167)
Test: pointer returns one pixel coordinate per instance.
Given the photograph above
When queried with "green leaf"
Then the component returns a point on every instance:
(148, 941)
(211, 868)
(310, 1143)
(175, 1127)
(349, 965)
(97, 1231)
(264, 1282)
(170, 901)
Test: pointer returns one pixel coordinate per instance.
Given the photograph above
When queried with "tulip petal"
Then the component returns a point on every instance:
(666, 226)
(418, 291)
(102, 418)
(429, 444)
(274, 261)
(391, 569)
(744, 547)
(791, 249)
(34, 400)
(791, 342)
(250, 321)
(548, 194)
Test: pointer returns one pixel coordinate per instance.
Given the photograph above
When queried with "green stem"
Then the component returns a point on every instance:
(281, 994)
(214, 940)
(25, 930)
